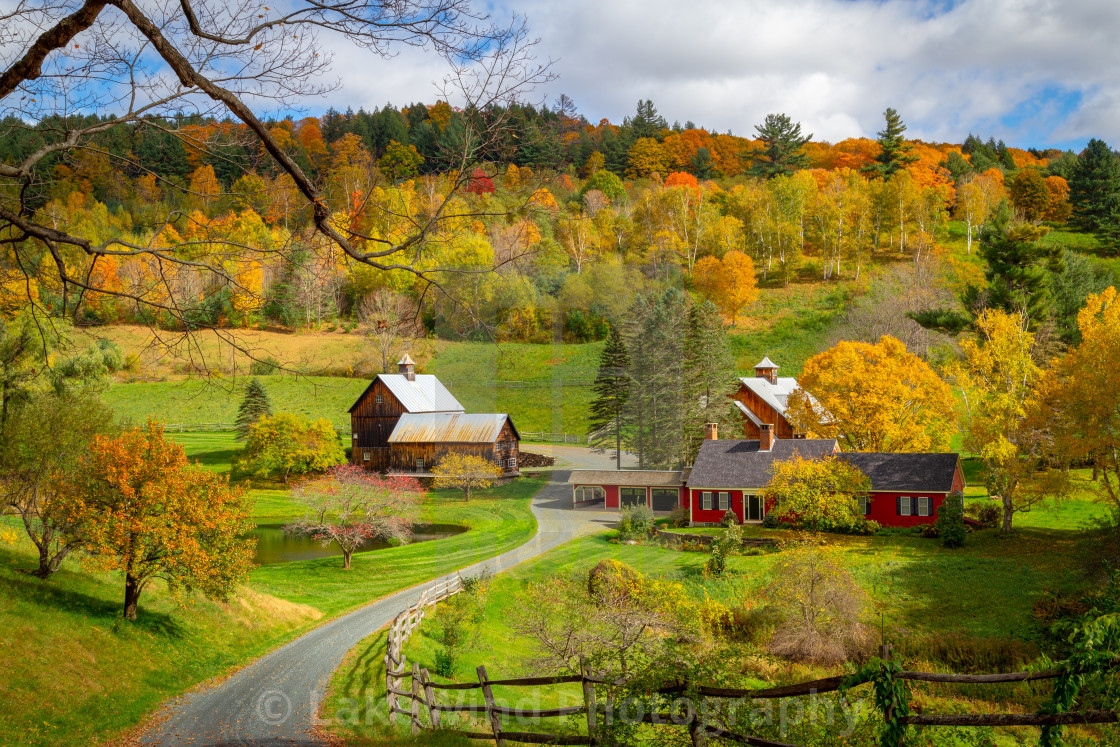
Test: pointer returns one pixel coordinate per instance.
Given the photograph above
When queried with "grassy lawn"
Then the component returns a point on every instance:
(75, 672)
(920, 594)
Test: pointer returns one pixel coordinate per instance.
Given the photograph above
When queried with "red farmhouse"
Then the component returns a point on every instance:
(906, 489)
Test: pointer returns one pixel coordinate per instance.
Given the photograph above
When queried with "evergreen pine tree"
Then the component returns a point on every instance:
(1094, 192)
(710, 374)
(894, 151)
(782, 147)
(254, 406)
(612, 390)
(1020, 267)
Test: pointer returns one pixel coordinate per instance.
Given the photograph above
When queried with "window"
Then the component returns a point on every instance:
(419, 464)
(864, 504)
(724, 501)
(632, 496)
(365, 456)
(923, 505)
(706, 501)
(511, 463)
(904, 505)
(377, 399)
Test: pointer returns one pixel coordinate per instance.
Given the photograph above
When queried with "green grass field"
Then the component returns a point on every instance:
(75, 673)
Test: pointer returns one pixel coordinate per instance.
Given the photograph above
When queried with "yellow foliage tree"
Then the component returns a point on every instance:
(873, 397)
(815, 490)
(998, 381)
(645, 158)
(465, 472)
(729, 283)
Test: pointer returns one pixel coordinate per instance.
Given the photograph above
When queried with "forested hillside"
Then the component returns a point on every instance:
(577, 219)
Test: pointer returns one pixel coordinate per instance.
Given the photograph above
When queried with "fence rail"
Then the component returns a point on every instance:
(421, 694)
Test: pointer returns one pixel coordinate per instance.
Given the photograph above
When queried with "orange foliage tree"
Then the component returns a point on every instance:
(151, 514)
(729, 283)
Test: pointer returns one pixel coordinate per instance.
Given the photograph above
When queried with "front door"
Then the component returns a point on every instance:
(632, 496)
(753, 508)
(665, 499)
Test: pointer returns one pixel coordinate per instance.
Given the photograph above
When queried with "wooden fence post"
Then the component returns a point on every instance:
(390, 698)
(588, 699)
(415, 699)
(430, 698)
(495, 719)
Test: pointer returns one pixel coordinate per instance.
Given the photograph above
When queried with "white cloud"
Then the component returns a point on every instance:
(834, 65)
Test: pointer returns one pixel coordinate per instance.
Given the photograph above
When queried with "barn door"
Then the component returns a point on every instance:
(632, 496)
(665, 499)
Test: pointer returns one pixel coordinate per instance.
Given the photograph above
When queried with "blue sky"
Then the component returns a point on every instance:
(1038, 73)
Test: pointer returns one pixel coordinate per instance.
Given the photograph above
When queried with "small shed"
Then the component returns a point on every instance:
(420, 440)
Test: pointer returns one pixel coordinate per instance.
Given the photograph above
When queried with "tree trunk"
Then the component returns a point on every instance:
(467, 492)
(132, 589)
(48, 564)
(346, 554)
(1008, 513)
(617, 439)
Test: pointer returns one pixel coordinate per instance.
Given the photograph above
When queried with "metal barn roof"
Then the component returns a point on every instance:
(448, 428)
(425, 394)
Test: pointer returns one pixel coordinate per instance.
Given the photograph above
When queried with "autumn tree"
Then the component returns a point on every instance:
(284, 444)
(976, 199)
(873, 397)
(465, 472)
(645, 158)
(611, 390)
(812, 491)
(150, 514)
(41, 444)
(1030, 195)
(998, 381)
(1080, 392)
(349, 506)
(894, 150)
(730, 283)
(782, 150)
(391, 322)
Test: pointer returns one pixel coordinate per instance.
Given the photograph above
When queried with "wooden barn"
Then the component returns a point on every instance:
(420, 440)
(763, 399)
(405, 422)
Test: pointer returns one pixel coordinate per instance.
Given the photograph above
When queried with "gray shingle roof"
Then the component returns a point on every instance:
(737, 463)
(637, 477)
(448, 428)
(931, 473)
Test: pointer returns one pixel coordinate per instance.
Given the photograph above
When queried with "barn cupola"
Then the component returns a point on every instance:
(407, 368)
(767, 369)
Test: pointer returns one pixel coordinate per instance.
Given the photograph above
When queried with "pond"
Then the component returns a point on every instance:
(274, 546)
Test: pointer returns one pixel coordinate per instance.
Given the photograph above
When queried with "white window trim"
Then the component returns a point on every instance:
(365, 456)
(905, 507)
(419, 464)
(864, 502)
(511, 463)
(925, 504)
(724, 500)
(377, 399)
(706, 500)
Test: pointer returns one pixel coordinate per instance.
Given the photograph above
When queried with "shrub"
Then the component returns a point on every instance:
(751, 624)
(989, 513)
(445, 664)
(679, 516)
(284, 444)
(264, 367)
(635, 522)
(771, 521)
(729, 519)
(820, 607)
(723, 546)
(950, 521)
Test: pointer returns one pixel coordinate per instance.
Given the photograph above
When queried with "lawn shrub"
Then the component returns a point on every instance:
(988, 513)
(771, 521)
(635, 522)
(749, 624)
(729, 519)
(264, 367)
(679, 516)
(950, 521)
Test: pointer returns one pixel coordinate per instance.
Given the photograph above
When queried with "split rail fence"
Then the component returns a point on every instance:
(421, 695)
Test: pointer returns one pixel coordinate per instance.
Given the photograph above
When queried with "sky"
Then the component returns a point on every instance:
(1035, 73)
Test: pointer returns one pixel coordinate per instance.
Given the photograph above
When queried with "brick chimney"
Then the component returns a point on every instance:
(765, 437)
(767, 369)
(711, 431)
(407, 367)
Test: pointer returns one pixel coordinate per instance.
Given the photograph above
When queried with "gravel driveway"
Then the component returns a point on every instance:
(274, 700)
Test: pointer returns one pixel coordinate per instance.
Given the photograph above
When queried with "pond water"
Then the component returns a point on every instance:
(274, 546)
